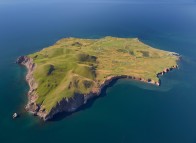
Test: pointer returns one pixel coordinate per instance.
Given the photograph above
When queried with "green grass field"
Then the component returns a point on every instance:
(74, 65)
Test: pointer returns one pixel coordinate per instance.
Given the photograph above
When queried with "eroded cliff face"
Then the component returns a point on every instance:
(32, 96)
(71, 104)
(66, 105)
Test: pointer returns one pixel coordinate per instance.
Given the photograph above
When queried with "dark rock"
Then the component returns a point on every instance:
(20, 59)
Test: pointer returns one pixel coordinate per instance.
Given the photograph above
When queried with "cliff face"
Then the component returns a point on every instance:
(65, 105)
(32, 96)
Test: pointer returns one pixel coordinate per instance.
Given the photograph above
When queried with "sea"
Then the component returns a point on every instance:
(127, 111)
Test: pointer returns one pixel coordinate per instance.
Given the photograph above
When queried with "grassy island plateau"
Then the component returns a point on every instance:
(66, 75)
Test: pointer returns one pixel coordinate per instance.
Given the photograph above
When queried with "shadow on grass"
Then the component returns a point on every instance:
(89, 104)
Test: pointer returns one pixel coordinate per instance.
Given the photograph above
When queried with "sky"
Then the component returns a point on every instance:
(98, 1)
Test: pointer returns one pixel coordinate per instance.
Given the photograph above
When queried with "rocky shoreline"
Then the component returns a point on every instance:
(32, 96)
(71, 104)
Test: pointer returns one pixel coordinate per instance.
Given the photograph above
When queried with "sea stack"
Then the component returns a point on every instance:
(15, 115)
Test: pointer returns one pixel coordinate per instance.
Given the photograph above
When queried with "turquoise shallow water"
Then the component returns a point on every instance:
(128, 111)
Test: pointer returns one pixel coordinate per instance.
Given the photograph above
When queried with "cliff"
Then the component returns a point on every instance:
(32, 96)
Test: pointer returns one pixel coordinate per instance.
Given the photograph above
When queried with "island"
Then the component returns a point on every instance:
(63, 77)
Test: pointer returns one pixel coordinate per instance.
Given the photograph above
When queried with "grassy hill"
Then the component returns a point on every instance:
(74, 65)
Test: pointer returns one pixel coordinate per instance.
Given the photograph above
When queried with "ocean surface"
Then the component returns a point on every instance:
(127, 111)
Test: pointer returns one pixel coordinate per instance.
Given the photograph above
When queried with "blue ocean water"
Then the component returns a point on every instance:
(128, 111)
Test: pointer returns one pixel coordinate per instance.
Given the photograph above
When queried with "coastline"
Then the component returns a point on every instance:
(71, 104)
